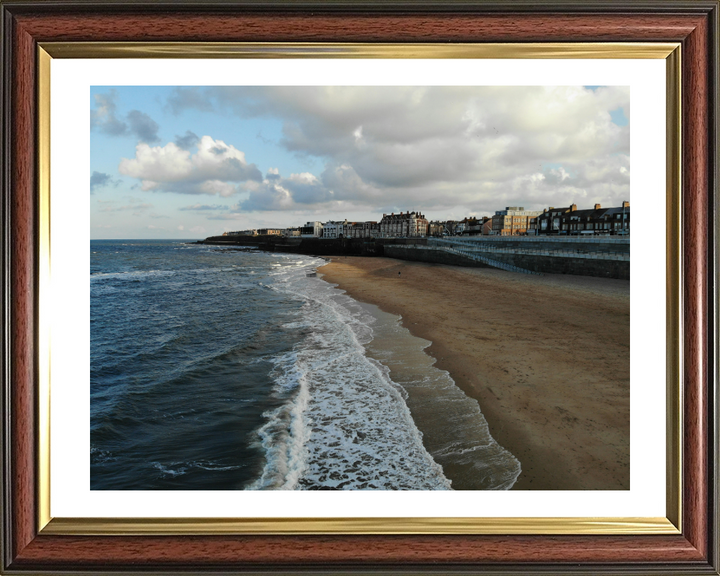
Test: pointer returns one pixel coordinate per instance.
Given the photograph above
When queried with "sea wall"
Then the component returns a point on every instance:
(309, 246)
(588, 245)
(546, 264)
(596, 257)
(430, 255)
(600, 267)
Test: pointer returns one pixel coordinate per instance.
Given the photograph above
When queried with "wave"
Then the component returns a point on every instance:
(456, 432)
(180, 468)
(142, 274)
(344, 425)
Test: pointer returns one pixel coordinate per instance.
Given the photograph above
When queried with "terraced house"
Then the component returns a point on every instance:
(596, 221)
(405, 224)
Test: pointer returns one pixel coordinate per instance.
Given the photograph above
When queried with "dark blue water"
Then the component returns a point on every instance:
(182, 343)
(215, 368)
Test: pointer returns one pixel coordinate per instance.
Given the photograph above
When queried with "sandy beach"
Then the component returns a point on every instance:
(547, 358)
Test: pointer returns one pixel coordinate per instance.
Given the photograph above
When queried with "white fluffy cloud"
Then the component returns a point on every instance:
(479, 147)
(215, 169)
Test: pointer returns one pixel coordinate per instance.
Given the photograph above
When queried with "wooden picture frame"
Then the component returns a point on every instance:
(27, 25)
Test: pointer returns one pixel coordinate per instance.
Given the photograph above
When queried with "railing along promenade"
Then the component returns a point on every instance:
(483, 246)
(491, 252)
(470, 254)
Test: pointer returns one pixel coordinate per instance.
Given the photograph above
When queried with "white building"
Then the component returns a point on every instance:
(312, 230)
(334, 229)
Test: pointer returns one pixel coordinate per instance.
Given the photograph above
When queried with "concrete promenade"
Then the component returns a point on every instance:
(604, 257)
(601, 257)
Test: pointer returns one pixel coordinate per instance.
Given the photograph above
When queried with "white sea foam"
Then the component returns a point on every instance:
(133, 275)
(456, 432)
(345, 423)
(172, 469)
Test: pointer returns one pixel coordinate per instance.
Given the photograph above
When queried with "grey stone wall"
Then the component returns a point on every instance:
(544, 264)
(554, 243)
(434, 256)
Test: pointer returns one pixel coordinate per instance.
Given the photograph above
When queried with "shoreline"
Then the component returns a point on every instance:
(547, 358)
(453, 430)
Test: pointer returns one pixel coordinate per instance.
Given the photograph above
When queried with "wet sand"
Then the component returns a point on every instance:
(547, 358)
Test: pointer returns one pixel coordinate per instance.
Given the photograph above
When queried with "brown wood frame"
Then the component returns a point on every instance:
(694, 23)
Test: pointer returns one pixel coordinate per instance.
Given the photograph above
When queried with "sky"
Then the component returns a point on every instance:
(191, 162)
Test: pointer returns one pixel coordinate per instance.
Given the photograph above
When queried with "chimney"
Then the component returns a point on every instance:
(544, 210)
(626, 204)
(597, 206)
(573, 207)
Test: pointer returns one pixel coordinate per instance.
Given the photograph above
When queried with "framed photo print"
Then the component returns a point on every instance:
(361, 294)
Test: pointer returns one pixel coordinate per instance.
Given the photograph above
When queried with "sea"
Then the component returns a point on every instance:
(217, 368)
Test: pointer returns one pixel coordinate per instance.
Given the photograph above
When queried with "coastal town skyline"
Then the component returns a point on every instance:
(192, 162)
(512, 221)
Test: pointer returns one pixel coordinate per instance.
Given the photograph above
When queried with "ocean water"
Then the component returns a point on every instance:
(216, 368)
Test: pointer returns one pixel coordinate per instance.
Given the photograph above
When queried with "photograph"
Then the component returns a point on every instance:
(360, 287)
(378, 249)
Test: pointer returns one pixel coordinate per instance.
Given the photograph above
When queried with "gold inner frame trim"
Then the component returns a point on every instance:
(294, 526)
(44, 322)
(174, 526)
(559, 50)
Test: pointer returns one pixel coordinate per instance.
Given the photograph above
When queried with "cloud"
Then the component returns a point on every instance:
(181, 227)
(189, 98)
(188, 141)
(144, 127)
(134, 205)
(203, 207)
(267, 196)
(215, 169)
(232, 216)
(104, 118)
(305, 189)
(100, 180)
(435, 147)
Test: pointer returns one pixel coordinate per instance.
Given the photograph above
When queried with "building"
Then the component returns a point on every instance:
(251, 232)
(436, 229)
(513, 221)
(334, 229)
(403, 225)
(449, 226)
(292, 232)
(362, 230)
(461, 227)
(270, 231)
(472, 226)
(311, 230)
(571, 221)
